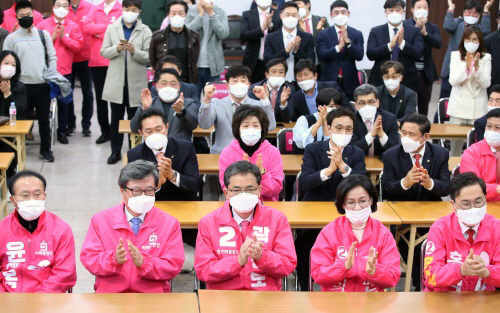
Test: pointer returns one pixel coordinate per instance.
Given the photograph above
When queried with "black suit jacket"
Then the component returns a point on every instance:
(299, 104)
(184, 162)
(492, 42)
(480, 127)
(316, 159)
(189, 90)
(251, 33)
(432, 40)
(280, 115)
(397, 164)
(390, 127)
(275, 47)
(378, 51)
(406, 101)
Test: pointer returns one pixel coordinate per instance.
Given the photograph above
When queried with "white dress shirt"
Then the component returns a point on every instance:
(287, 38)
(238, 218)
(322, 173)
(337, 30)
(391, 35)
(129, 217)
(109, 7)
(262, 40)
(369, 138)
(177, 176)
(412, 157)
(464, 228)
(302, 132)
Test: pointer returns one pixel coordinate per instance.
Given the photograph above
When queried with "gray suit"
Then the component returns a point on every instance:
(219, 112)
(180, 127)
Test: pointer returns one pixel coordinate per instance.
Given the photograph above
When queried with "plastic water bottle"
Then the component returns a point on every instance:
(12, 113)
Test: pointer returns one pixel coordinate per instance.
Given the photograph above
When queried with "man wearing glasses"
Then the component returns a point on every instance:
(244, 245)
(463, 248)
(134, 247)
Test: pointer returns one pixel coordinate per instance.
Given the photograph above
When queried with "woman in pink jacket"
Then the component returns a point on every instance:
(355, 252)
(250, 125)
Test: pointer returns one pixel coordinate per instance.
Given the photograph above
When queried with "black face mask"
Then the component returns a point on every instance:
(26, 21)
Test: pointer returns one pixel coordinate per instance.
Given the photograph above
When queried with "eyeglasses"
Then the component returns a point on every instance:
(252, 190)
(350, 205)
(371, 102)
(25, 196)
(466, 205)
(138, 191)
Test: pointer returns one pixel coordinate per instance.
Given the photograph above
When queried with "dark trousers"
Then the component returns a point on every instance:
(189, 236)
(303, 245)
(445, 88)
(82, 71)
(38, 97)
(63, 112)
(424, 93)
(117, 114)
(403, 250)
(259, 73)
(204, 77)
(99, 77)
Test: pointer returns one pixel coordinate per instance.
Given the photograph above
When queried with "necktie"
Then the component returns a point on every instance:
(417, 160)
(395, 51)
(497, 154)
(469, 283)
(369, 127)
(264, 17)
(135, 225)
(470, 232)
(274, 96)
(159, 156)
(235, 106)
(244, 226)
(340, 71)
(308, 28)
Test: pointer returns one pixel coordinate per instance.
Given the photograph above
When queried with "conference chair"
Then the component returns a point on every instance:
(422, 263)
(284, 140)
(442, 117)
(298, 193)
(471, 137)
(363, 78)
(381, 198)
(455, 171)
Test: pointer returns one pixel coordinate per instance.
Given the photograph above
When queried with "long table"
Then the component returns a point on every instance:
(15, 136)
(449, 131)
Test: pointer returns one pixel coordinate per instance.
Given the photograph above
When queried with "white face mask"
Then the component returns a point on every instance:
(244, 202)
(421, 13)
(250, 136)
(31, 210)
(168, 94)
(392, 84)
(340, 20)
(329, 109)
(264, 3)
(307, 84)
(410, 145)
(60, 12)
(471, 20)
(239, 90)
(492, 138)
(276, 81)
(141, 204)
(130, 17)
(156, 142)
(302, 12)
(368, 112)
(471, 47)
(290, 22)
(177, 21)
(472, 216)
(7, 71)
(340, 140)
(358, 217)
(490, 107)
(395, 18)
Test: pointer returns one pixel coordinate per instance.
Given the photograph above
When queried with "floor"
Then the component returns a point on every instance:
(80, 183)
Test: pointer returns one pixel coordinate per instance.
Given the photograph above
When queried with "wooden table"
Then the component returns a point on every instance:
(219, 301)
(454, 161)
(124, 128)
(299, 214)
(98, 303)
(449, 131)
(15, 136)
(5, 160)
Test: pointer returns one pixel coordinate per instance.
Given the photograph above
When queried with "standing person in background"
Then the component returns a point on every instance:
(493, 103)
(3, 32)
(211, 22)
(153, 12)
(95, 25)
(67, 40)
(308, 22)
(492, 42)
(126, 45)
(10, 21)
(455, 27)
(78, 13)
(276, 4)
(255, 25)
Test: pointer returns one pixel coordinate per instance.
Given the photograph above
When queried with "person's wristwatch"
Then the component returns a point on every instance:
(174, 178)
(345, 169)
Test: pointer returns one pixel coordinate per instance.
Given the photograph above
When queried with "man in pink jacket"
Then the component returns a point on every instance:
(10, 21)
(244, 245)
(483, 158)
(37, 249)
(463, 248)
(134, 247)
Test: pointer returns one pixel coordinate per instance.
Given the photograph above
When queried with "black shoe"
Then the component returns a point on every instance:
(114, 158)
(102, 139)
(47, 156)
(62, 138)
(71, 131)
(86, 132)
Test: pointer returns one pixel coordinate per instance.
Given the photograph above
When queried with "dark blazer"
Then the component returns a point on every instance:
(275, 47)
(316, 159)
(378, 51)
(315, 21)
(277, 3)
(299, 104)
(280, 115)
(251, 33)
(189, 90)
(397, 164)
(480, 127)
(406, 101)
(184, 162)
(492, 42)
(432, 40)
(346, 59)
(390, 127)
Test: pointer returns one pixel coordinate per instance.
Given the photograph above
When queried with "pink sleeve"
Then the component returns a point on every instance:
(209, 268)
(75, 40)
(272, 180)
(95, 258)
(63, 274)
(387, 270)
(90, 27)
(494, 267)
(169, 264)
(282, 259)
(223, 165)
(469, 163)
(37, 18)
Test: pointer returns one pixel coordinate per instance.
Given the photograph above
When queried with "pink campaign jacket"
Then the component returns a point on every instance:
(79, 18)
(479, 159)
(10, 18)
(447, 249)
(159, 240)
(272, 180)
(95, 25)
(330, 250)
(219, 242)
(40, 262)
(67, 46)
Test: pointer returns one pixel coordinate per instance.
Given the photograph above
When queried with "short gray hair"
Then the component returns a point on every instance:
(365, 89)
(241, 168)
(138, 170)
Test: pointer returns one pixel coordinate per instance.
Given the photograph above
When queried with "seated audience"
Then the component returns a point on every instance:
(189, 90)
(463, 247)
(134, 247)
(375, 130)
(492, 43)
(244, 245)
(493, 103)
(49, 265)
(355, 252)
(250, 125)
(12, 89)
